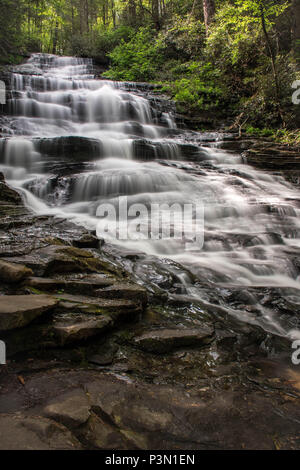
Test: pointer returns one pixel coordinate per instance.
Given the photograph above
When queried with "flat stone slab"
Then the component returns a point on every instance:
(127, 291)
(17, 311)
(13, 273)
(71, 409)
(164, 340)
(114, 308)
(82, 330)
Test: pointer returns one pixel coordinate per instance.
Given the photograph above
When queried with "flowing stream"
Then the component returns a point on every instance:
(75, 143)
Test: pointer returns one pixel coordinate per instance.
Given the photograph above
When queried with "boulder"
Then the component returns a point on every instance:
(10, 272)
(87, 241)
(8, 195)
(165, 340)
(17, 311)
(74, 147)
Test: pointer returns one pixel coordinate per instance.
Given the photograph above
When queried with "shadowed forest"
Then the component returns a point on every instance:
(237, 58)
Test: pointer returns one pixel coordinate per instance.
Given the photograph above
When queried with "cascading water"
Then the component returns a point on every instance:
(79, 142)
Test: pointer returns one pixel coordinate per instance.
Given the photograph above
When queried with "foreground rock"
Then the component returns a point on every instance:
(102, 411)
(165, 340)
(19, 432)
(17, 311)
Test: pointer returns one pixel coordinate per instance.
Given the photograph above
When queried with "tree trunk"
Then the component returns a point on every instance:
(132, 12)
(209, 11)
(55, 39)
(155, 13)
(81, 16)
(86, 14)
(296, 30)
(113, 13)
(274, 68)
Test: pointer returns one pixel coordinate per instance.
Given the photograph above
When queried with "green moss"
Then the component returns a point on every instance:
(33, 290)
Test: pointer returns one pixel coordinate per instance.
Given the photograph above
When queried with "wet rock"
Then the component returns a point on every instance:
(8, 195)
(87, 241)
(71, 259)
(12, 273)
(226, 340)
(124, 291)
(59, 259)
(71, 409)
(19, 432)
(27, 69)
(147, 150)
(165, 340)
(80, 331)
(17, 311)
(104, 355)
(76, 148)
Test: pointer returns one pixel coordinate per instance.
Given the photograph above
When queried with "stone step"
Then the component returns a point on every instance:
(127, 291)
(116, 309)
(17, 311)
(165, 340)
(82, 330)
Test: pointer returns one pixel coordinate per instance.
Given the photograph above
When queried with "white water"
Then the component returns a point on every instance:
(252, 227)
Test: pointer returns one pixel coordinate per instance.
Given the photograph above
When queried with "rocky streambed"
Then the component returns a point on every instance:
(98, 359)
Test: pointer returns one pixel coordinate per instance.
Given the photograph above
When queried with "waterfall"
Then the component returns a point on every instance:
(125, 144)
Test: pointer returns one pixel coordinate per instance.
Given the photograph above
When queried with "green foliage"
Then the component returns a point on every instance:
(184, 39)
(138, 59)
(198, 88)
(283, 136)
